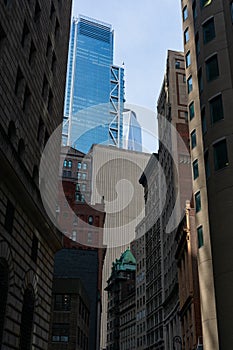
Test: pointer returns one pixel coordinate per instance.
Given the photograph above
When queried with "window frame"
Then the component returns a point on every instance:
(204, 29)
(217, 167)
(208, 61)
(198, 201)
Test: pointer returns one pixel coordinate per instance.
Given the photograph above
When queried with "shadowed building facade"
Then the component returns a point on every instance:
(33, 56)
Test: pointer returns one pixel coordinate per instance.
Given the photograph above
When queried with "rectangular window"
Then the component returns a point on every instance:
(205, 3)
(194, 7)
(188, 59)
(84, 166)
(185, 13)
(60, 332)
(200, 239)
(200, 80)
(191, 111)
(208, 31)
(62, 302)
(216, 109)
(203, 121)
(177, 64)
(207, 165)
(198, 201)
(186, 36)
(190, 84)
(220, 155)
(79, 165)
(195, 169)
(193, 139)
(212, 71)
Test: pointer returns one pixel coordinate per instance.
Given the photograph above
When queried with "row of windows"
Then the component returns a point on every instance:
(203, 3)
(68, 164)
(79, 176)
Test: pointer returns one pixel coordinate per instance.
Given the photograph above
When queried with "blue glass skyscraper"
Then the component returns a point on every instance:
(94, 97)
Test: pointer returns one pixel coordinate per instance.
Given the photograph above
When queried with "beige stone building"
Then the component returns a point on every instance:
(208, 40)
(33, 54)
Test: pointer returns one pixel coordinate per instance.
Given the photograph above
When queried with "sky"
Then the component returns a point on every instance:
(143, 32)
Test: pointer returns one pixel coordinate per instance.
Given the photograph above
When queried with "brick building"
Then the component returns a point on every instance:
(33, 56)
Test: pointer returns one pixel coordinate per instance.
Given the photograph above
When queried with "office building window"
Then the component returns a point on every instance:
(220, 155)
(177, 64)
(203, 121)
(78, 175)
(191, 111)
(185, 13)
(190, 84)
(84, 166)
(186, 36)
(208, 30)
(200, 80)
(79, 165)
(195, 169)
(198, 201)
(205, 3)
(62, 302)
(193, 139)
(188, 59)
(207, 165)
(67, 163)
(212, 71)
(84, 176)
(200, 239)
(77, 187)
(60, 332)
(216, 109)
(83, 187)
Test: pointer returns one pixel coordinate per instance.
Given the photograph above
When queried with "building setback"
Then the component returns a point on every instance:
(33, 56)
(208, 50)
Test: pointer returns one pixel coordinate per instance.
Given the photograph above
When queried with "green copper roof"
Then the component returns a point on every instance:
(127, 257)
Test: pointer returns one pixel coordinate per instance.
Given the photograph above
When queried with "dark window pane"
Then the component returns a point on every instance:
(200, 237)
(212, 71)
(220, 155)
(231, 9)
(198, 201)
(193, 139)
(216, 109)
(191, 111)
(62, 302)
(195, 169)
(60, 332)
(208, 31)
(190, 84)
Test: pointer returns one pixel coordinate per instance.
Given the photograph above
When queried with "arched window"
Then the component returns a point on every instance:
(3, 293)
(26, 327)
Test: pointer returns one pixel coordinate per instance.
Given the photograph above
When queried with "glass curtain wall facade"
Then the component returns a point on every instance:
(94, 88)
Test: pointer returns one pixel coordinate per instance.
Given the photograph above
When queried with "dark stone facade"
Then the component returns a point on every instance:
(33, 54)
